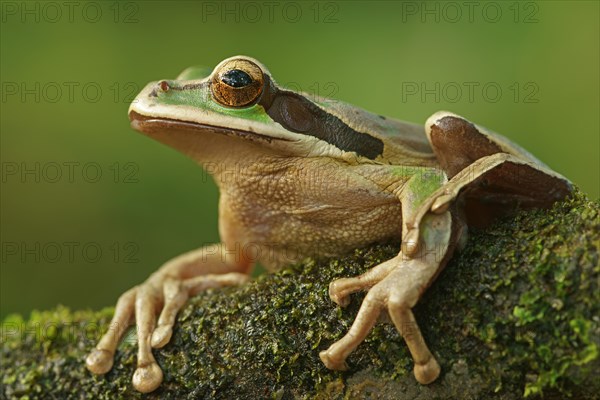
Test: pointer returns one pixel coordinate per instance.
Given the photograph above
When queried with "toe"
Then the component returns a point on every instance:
(411, 242)
(161, 336)
(99, 361)
(175, 296)
(336, 289)
(331, 363)
(441, 204)
(428, 372)
(147, 377)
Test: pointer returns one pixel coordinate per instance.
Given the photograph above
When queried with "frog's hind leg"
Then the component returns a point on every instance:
(457, 142)
(496, 176)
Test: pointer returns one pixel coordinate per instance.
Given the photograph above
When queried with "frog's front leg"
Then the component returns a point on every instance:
(397, 284)
(165, 291)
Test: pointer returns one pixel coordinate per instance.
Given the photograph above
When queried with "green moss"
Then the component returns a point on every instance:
(516, 313)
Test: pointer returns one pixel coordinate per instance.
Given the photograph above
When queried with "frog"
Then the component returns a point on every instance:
(302, 175)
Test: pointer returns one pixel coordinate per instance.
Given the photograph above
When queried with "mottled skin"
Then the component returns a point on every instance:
(283, 199)
(303, 178)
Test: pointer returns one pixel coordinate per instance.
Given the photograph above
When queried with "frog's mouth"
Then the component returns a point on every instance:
(160, 125)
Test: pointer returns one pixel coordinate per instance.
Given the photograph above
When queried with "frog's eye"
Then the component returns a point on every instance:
(237, 83)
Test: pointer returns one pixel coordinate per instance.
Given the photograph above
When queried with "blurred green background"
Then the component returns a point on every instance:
(91, 208)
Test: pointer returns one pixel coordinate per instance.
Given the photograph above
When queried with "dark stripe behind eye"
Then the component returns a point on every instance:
(298, 114)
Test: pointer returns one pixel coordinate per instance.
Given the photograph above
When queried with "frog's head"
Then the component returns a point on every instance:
(240, 101)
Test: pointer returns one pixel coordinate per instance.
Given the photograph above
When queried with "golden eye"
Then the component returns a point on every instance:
(237, 83)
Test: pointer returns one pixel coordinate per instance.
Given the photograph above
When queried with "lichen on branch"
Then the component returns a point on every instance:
(516, 313)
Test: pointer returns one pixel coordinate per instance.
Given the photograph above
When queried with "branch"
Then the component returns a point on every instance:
(516, 313)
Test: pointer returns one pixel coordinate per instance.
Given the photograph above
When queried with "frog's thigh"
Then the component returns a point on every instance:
(501, 179)
(457, 142)
(399, 291)
(465, 149)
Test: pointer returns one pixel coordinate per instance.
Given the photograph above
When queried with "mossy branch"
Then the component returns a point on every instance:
(516, 313)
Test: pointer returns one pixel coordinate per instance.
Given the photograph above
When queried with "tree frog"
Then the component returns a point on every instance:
(303, 176)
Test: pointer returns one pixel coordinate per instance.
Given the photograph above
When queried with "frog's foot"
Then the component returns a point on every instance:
(395, 293)
(142, 303)
(395, 285)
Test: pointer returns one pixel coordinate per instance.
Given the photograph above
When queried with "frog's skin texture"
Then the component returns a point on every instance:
(301, 177)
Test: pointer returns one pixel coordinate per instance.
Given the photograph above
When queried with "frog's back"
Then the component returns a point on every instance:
(405, 143)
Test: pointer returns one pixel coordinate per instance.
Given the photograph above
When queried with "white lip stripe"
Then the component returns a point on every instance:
(144, 105)
(296, 143)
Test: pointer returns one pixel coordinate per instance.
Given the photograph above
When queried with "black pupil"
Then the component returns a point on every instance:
(236, 78)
